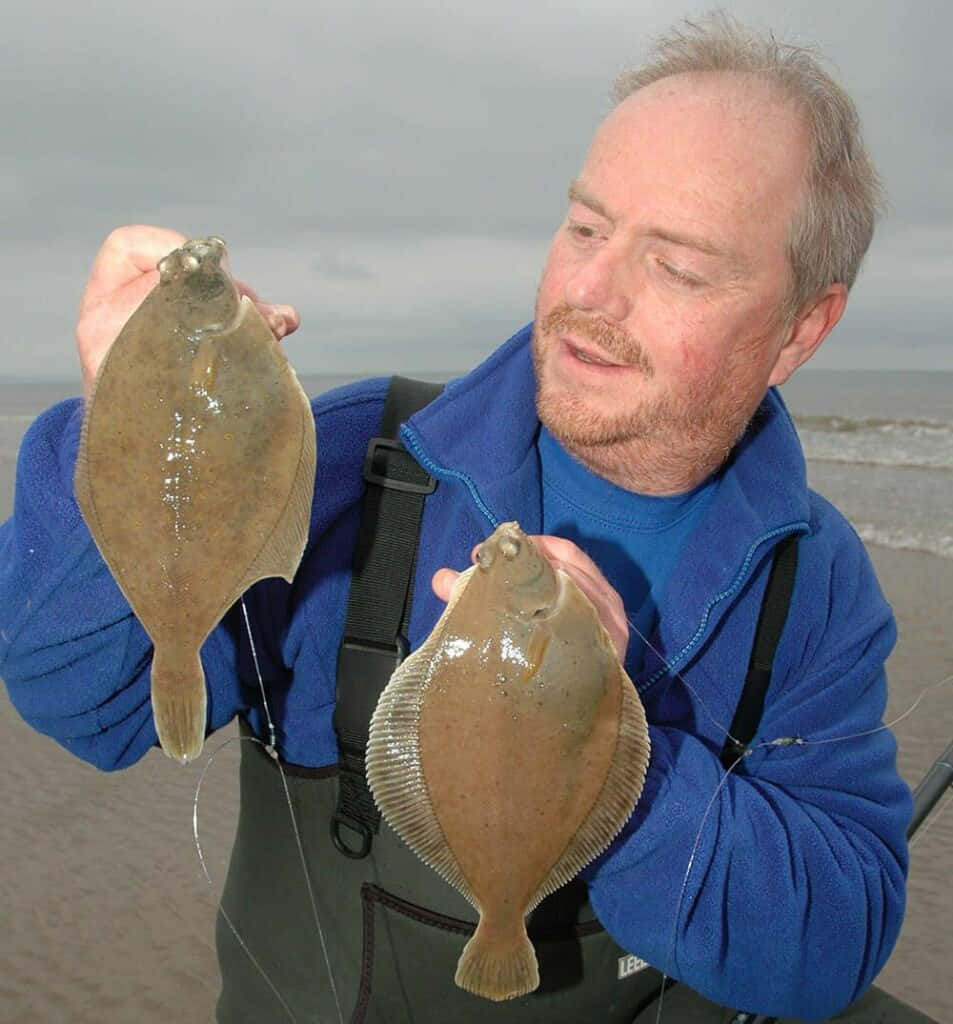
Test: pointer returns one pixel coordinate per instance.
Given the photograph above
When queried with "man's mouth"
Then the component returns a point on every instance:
(587, 355)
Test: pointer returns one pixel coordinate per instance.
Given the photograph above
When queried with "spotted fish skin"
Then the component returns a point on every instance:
(509, 749)
(195, 472)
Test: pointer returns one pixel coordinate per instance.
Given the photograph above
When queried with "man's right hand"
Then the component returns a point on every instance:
(123, 274)
(564, 554)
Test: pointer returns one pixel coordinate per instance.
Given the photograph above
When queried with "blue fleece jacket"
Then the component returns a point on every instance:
(779, 888)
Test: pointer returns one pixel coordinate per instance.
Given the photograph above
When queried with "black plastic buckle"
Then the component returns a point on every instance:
(364, 669)
(373, 475)
(360, 828)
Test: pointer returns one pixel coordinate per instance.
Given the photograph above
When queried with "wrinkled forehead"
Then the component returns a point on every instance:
(728, 107)
(728, 142)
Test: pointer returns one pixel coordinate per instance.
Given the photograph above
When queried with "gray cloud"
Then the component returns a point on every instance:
(397, 171)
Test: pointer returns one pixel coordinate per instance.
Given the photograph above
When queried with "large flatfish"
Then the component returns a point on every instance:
(195, 471)
(509, 749)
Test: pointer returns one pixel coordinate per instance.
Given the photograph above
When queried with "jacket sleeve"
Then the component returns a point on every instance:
(74, 659)
(779, 887)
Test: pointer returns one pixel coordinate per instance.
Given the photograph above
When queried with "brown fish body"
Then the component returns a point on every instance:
(196, 470)
(509, 749)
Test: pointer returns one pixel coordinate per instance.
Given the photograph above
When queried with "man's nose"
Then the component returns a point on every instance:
(600, 285)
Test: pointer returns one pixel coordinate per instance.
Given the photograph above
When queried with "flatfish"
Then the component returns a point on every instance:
(195, 471)
(509, 749)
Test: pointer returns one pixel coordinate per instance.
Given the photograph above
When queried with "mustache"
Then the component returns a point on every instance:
(614, 341)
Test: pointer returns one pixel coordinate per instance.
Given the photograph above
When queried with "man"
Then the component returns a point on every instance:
(712, 235)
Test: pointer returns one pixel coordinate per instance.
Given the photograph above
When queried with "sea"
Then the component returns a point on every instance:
(879, 445)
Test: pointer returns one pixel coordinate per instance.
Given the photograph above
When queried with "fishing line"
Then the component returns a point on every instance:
(782, 741)
(272, 752)
(270, 746)
(208, 878)
(670, 954)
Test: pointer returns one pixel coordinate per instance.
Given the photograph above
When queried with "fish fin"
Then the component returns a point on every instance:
(82, 483)
(617, 798)
(179, 705)
(394, 770)
(498, 967)
(282, 551)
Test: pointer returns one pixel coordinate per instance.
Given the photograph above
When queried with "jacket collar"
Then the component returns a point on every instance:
(761, 493)
(497, 461)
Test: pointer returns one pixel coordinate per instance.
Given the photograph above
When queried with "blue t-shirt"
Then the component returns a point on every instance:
(634, 538)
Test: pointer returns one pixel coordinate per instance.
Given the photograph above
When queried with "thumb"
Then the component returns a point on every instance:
(443, 581)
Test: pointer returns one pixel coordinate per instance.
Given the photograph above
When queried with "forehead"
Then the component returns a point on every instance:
(722, 148)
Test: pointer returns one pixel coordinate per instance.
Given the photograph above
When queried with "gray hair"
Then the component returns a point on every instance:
(834, 223)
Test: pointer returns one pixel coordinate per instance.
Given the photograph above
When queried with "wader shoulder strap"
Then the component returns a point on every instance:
(774, 612)
(374, 641)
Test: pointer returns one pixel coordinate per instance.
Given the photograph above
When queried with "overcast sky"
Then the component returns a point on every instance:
(396, 170)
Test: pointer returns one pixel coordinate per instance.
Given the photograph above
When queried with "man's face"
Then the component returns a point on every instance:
(657, 318)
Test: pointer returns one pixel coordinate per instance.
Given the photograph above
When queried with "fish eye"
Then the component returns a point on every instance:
(485, 555)
(509, 547)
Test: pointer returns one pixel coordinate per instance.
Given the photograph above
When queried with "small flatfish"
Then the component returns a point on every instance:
(195, 471)
(509, 749)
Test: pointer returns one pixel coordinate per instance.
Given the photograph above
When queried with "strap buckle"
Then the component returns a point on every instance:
(368, 665)
(364, 831)
(375, 466)
(363, 671)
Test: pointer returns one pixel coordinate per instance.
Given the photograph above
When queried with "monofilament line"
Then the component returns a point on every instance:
(783, 741)
(270, 746)
(272, 752)
(208, 878)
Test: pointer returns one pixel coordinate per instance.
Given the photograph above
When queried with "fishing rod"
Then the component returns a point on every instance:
(932, 786)
(925, 797)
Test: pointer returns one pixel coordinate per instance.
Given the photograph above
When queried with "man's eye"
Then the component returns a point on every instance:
(676, 274)
(582, 232)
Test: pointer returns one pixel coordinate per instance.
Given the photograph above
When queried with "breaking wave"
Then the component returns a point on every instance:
(875, 441)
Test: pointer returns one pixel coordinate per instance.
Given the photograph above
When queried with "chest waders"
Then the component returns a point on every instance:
(394, 929)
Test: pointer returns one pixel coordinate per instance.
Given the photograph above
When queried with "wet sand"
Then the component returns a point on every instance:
(107, 916)
(920, 588)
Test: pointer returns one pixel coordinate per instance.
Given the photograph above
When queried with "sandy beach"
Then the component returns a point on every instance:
(108, 916)
(920, 588)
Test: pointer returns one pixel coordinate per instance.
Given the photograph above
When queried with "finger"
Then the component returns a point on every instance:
(132, 250)
(282, 320)
(566, 551)
(124, 270)
(566, 555)
(291, 317)
(605, 600)
(246, 289)
(142, 245)
(443, 581)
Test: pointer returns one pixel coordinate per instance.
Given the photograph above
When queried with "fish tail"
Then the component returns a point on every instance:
(179, 704)
(498, 965)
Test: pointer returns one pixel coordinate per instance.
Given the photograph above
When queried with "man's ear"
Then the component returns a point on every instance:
(808, 329)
